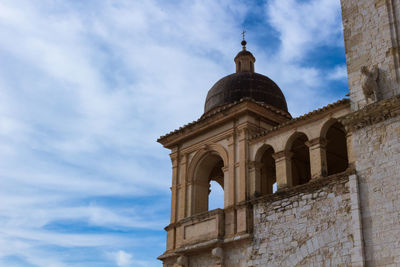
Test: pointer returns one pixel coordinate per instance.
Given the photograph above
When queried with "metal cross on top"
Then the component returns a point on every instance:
(243, 34)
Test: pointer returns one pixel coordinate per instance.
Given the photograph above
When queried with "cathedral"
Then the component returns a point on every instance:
(322, 189)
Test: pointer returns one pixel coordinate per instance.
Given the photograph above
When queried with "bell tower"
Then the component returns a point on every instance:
(335, 168)
(216, 148)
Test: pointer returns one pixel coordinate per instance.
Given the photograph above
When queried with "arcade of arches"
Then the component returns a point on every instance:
(332, 147)
(333, 158)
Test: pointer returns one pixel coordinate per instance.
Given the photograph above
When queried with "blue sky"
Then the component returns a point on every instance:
(86, 87)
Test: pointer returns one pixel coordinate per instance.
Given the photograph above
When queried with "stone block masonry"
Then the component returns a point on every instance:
(371, 37)
(310, 225)
(307, 229)
(377, 148)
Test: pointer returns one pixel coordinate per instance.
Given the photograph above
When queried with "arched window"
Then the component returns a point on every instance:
(336, 149)
(208, 174)
(267, 171)
(300, 160)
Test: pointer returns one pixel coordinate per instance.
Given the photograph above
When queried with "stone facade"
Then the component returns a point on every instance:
(377, 149)
(322, 189)
(371, 34)
(312, 227)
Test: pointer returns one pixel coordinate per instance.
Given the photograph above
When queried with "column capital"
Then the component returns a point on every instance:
(282, 155)
(316, 142)
(255, 164)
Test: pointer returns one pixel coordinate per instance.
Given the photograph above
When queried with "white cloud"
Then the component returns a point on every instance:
(305, 25)
(90, 85)
(338, 73)
(123, 259)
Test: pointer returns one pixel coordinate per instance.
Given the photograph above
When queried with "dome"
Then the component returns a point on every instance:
(245, 84)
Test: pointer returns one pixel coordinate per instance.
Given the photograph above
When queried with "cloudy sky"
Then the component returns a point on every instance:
(86, 87)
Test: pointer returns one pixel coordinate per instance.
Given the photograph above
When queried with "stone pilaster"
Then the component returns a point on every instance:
(317, 148)
(229, 190)
(174, 160)
(182, 188)
(241, 180)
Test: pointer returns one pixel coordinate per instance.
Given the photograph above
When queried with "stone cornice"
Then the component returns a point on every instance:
(309, 187)
(196, 217)
(303, 118)
(222, 114)
(372, 114)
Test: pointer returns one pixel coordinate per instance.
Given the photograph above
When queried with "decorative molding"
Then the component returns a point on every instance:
(254, 164)
(310, 115)
(372, 114)
(218, 254)
(182, 261)
(282, 154)
(319, 141)
(369, 83)
(223, 113)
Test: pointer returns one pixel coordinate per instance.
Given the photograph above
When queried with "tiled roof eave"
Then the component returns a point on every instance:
(218, 110)
(309, 115)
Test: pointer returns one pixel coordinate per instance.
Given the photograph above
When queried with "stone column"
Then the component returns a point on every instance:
(317, 148)
(349, 144)
(254, 179)
(283, 165)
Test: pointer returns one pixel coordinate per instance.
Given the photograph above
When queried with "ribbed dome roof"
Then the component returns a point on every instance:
(249, 84)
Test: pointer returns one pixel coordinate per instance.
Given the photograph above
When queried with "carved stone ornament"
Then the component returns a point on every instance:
(369, 83)
(372, 114)
(182, 261)
(218, 255)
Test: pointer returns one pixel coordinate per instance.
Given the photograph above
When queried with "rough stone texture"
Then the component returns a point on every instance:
(304, 230)
(234, 255)
(312, 228)
(371, 37)
(201, 260)
(377, 149)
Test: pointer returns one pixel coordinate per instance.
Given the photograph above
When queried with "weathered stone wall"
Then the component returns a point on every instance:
(306, 229)
(201, 260)
(371, 35)
(307, 226)
(377, 149)
(235, 254)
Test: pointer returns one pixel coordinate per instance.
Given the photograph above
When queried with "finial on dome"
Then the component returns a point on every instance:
(244, 59)
(244, 41)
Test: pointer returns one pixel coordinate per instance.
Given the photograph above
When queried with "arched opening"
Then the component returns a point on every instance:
(207, 177)
(336, 149)
(300, 160)
(267, 171)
